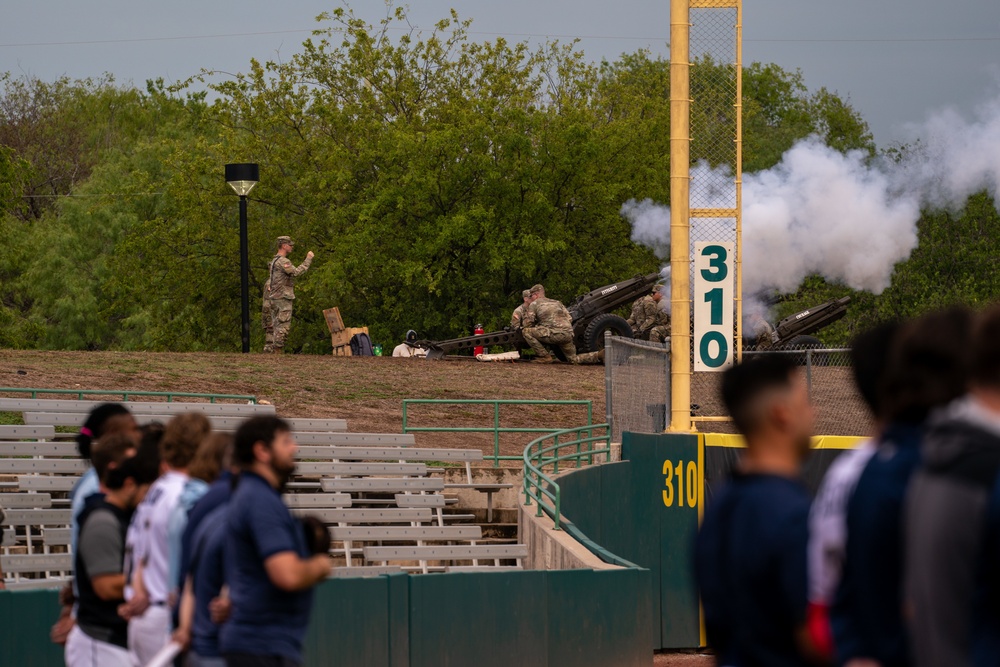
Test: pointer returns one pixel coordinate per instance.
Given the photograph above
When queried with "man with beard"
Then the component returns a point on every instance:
(750, 554)
(268, 565)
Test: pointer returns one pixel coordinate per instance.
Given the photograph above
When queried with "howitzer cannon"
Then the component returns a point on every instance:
(794, 330)
(591, 313)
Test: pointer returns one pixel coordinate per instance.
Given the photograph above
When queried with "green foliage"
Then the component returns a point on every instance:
(434, 176)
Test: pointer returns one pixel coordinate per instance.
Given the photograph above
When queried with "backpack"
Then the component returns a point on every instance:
(361, 345)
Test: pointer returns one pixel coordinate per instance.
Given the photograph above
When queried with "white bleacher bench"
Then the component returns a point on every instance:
(323, 468)
(415, 500)
(355, 516)
(17, 432)
(23, 466)
(44, 566)
(37, 517)
(49, 405)
(319, 430)
(55, 448)
(56, 537)
(332, 437)
(404, 533)
(302, 426)
(76, 419)
(25, 501)
(46, 482)
(36, 563)
(466, 456)
(374, 453)
(49, 466)
(365, 571)
(433, 500)
(419, 534)
(423, 554)
(305, 500)
(382, 484)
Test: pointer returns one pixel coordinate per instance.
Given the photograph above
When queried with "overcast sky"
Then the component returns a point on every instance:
(895, 60)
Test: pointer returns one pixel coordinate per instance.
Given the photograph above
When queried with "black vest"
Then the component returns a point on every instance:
(92, 609)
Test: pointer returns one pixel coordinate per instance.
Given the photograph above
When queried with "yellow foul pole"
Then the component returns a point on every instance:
(739, 181)
(680, 185)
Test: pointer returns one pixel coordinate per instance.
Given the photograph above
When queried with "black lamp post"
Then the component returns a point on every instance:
(241, 178)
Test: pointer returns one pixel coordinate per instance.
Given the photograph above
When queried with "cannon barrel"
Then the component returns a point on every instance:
(607, 298)
(810, 320)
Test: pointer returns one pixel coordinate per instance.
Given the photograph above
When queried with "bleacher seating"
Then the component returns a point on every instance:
(376, 492)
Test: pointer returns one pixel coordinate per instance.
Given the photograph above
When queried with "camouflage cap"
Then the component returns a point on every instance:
(525, 293)
(285, 239)
(536, 289)
(658, 286)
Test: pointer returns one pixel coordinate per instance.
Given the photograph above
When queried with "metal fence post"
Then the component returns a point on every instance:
(496, 434)
(608, 385)
(809, 373)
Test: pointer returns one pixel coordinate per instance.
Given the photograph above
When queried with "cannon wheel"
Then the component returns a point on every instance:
(593, 337)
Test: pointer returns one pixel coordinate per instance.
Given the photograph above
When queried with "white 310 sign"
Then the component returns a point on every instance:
(713, 306)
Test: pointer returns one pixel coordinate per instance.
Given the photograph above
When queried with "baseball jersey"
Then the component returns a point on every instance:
(150, 546)
(828, 521)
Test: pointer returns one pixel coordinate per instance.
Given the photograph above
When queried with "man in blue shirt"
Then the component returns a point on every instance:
(750, 554)
(269, 568)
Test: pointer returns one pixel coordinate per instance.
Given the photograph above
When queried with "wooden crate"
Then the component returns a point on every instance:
(333, 320)
(342, 340)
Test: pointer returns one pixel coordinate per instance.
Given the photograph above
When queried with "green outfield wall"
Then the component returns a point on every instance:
(568, 618)
(621, 506)
(646, 509)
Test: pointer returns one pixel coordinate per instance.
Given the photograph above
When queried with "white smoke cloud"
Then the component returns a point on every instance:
(845, 217)
(650, 225)
(820, 211)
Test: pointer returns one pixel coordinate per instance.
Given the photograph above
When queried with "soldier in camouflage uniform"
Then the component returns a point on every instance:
(649, 320)
(281, 276)
(762, 332)
(546, 321)
(265, 318)
(515, 318)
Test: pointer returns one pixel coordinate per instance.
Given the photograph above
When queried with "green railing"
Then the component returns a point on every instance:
(169, 395)
(545, 452)
(496, 429)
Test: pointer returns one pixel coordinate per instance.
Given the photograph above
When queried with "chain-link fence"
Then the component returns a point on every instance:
(715, 127)
(637, 380)
(637, 386)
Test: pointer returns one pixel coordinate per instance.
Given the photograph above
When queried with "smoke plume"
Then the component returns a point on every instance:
(843, 216)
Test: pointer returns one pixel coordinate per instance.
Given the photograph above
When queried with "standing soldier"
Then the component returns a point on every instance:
(265, 318)
(515, 318)
(546, 321)
(649, 320)
(281, 276)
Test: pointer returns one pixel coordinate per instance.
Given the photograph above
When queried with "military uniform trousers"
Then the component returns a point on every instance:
(281, 320)
(659, 334)
(539, 337)
(268, 322)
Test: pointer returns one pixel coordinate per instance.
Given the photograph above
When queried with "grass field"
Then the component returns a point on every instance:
(367, 391)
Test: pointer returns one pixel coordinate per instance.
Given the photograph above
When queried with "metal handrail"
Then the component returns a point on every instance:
(170, 395)
(496, 429)
(538, 485)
